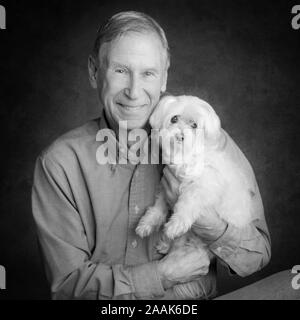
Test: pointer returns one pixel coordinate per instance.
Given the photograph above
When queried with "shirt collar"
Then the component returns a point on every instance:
(124, 155)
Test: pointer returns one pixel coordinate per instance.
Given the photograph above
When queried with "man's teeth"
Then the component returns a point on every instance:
(129, 107)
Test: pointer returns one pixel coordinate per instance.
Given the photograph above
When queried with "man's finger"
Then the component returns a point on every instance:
(165, 183)
(166, 187)
(169, 195)
(171, 179)
(169, 175)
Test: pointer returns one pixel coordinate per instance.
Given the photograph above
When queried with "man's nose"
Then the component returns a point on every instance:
(133, 89)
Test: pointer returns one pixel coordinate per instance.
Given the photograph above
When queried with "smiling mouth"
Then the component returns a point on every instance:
(131, 108)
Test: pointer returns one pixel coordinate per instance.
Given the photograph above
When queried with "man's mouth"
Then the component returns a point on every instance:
(130, 107)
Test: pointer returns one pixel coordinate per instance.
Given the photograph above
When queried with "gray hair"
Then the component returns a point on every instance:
(129, 21)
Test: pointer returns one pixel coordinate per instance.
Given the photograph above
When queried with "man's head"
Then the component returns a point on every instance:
(129, 67)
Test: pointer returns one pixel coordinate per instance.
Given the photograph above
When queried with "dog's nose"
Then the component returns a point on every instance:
(179, 137)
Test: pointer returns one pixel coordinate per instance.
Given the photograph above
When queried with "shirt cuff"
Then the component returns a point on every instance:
(228, 243)
(146, 281)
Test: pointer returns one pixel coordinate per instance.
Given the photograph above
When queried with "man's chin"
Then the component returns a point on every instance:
(132, 124)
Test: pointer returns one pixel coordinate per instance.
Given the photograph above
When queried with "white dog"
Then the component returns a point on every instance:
(190, 135)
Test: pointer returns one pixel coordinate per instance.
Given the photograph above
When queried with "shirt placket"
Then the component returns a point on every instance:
(134, 250)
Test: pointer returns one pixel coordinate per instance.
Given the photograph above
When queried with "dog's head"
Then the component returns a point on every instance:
(182, 118)
(195, 113)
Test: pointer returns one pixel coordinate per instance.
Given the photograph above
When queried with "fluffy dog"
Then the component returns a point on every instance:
(190, 135)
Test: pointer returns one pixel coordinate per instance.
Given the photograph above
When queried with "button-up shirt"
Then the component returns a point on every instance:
(86, 214)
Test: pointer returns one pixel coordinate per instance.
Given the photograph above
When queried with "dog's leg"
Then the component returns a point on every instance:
(154, 217)
(164, 244)
(193, 199)
(182, 218)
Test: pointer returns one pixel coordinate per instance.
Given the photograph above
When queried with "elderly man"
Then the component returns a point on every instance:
(86, 213)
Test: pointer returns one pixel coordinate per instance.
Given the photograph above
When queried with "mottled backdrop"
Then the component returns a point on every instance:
(241, 56)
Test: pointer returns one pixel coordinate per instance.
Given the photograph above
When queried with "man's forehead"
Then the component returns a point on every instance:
(134, 44)
(141, 35)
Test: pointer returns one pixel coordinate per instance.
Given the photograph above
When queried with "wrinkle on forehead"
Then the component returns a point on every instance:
(137, 50)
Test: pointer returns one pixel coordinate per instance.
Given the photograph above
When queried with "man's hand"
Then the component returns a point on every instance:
(209, 226)
(171, 186)
(183, 264)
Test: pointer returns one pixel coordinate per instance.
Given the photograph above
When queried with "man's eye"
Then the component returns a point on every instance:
(120, 70)
(148, 73)
(174, 119)
(194, 125)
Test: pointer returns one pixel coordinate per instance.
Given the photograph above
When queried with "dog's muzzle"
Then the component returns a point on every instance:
(179, 137)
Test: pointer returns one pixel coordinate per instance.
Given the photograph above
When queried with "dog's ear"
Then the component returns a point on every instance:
(211, 122)
(161, 111)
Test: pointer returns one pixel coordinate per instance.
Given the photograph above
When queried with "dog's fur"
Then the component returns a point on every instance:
(209, 179)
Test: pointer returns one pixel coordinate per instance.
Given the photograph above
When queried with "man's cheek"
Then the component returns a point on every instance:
(110, 89)
(117, 80)
(154, 94)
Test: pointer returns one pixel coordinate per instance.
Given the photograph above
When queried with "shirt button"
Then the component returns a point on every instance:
(219, 249)
(134, 244)
(136, 209)
(122, 149)
(136, 173)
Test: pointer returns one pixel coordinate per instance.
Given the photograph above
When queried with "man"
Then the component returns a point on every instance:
(86, 213)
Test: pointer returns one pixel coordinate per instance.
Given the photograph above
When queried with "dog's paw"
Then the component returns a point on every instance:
(144, 230)
(151, 221)
(175, 228)
(155, 215)
(163, 247)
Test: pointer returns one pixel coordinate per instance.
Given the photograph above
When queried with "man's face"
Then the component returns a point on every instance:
(132, 76)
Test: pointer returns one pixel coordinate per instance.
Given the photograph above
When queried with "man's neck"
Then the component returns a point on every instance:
(123, 134)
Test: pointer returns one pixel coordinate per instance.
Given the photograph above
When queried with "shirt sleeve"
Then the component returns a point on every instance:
(244, 250)
(67, 256)
(248, 249)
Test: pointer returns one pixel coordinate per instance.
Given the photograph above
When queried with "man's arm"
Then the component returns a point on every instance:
(245, 250)
(248, 249)
(67, 255)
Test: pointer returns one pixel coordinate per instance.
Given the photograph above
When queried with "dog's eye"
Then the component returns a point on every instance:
(174, 119)
(194, 125)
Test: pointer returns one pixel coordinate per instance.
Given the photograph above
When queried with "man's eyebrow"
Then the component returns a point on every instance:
(118, 64)
(115, 64)
(152, 69)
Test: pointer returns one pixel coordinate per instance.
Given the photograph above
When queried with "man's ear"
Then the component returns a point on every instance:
(93, 71)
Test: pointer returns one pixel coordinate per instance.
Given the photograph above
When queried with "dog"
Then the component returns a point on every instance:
(190, 136)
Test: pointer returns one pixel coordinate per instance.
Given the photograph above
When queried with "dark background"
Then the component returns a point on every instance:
(241, 56)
